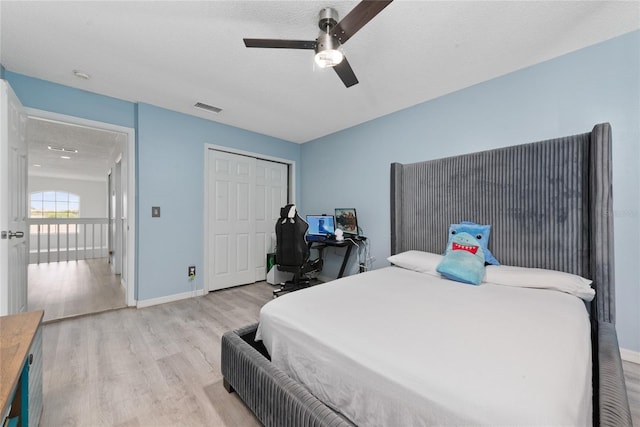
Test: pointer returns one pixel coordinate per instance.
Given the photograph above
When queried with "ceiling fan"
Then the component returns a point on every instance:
(332, 35)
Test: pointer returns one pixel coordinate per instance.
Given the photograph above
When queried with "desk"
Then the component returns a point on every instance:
(349, 243)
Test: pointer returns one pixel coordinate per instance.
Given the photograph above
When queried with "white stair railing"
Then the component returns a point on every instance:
(62, 239)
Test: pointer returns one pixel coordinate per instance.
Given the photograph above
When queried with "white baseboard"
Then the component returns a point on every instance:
(169, 298)
(630, 355)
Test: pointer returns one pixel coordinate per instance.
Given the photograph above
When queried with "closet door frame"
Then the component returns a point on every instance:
(291, 164)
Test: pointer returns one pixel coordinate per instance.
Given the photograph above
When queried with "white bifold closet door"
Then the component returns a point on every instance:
(244, 200)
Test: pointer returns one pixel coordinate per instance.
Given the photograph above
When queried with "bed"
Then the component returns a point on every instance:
(549, 204)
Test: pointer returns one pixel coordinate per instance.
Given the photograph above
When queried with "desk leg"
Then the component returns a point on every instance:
(319, 248)
(344, 261)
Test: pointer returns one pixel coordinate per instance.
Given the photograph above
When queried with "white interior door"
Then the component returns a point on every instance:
(115, 218)
(244, 197)
(271, 194)
(231, 219)
(117, 215)
(13, 203)
(124, 227)
(123, 221)
(111, 210)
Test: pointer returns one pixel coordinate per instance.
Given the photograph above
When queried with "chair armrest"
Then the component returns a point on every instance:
(613, 403)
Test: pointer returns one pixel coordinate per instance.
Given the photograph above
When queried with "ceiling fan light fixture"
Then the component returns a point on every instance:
(333, 34)
(62, 149)
(329, 58)
(328, 53)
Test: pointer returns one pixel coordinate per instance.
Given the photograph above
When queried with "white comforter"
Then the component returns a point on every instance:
(395, 347)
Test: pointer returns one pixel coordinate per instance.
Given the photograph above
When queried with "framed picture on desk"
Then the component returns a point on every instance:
(346, 220)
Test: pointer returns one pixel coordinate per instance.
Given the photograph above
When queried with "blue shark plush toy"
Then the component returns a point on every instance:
(467, 253)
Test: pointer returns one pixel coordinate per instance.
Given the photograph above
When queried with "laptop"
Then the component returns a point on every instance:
(321, 227)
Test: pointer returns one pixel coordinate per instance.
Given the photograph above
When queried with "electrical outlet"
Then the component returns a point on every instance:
(192, 271)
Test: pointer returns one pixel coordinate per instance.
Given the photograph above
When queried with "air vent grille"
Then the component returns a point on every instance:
(205, 107)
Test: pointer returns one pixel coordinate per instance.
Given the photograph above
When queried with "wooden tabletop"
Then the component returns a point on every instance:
(16, 335)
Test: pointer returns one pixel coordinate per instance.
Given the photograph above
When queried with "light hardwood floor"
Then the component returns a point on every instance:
(632, 379)
(156, 366)
(160, 365)
(72, 288)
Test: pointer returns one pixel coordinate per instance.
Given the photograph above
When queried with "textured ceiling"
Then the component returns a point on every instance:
(174, 54)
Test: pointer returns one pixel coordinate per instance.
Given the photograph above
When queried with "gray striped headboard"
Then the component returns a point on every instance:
(549, 204)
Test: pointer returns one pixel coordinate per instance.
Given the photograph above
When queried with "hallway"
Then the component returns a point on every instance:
(67, 289)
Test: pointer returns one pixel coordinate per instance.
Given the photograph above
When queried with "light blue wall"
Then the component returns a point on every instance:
(171, 175)
(564, 96)
(47, 96)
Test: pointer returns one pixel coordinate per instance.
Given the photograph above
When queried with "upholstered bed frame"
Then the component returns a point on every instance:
(550, 206)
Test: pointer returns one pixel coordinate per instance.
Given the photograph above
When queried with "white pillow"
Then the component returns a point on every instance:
(539, 278)
(422, 262)
(507, 275)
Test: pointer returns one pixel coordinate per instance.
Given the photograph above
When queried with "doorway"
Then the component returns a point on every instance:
(243, 196)
(80, 262)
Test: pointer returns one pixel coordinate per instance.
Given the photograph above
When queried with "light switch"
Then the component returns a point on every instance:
(155, 211)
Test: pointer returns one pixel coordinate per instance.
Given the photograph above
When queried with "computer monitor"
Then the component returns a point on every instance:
(321, 225)
(346, 220)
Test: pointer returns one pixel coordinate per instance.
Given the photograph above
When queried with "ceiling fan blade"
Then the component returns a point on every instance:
(345, 72)
(281, 44)
(364, 12)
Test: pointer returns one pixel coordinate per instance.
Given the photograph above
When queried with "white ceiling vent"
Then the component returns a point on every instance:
(205, 107)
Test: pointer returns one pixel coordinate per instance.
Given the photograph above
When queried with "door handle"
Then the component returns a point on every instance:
(11, 235)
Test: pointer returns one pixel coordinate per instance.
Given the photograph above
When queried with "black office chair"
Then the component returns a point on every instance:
(292, 250)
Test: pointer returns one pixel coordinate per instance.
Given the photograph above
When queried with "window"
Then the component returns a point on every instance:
(54, 204)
